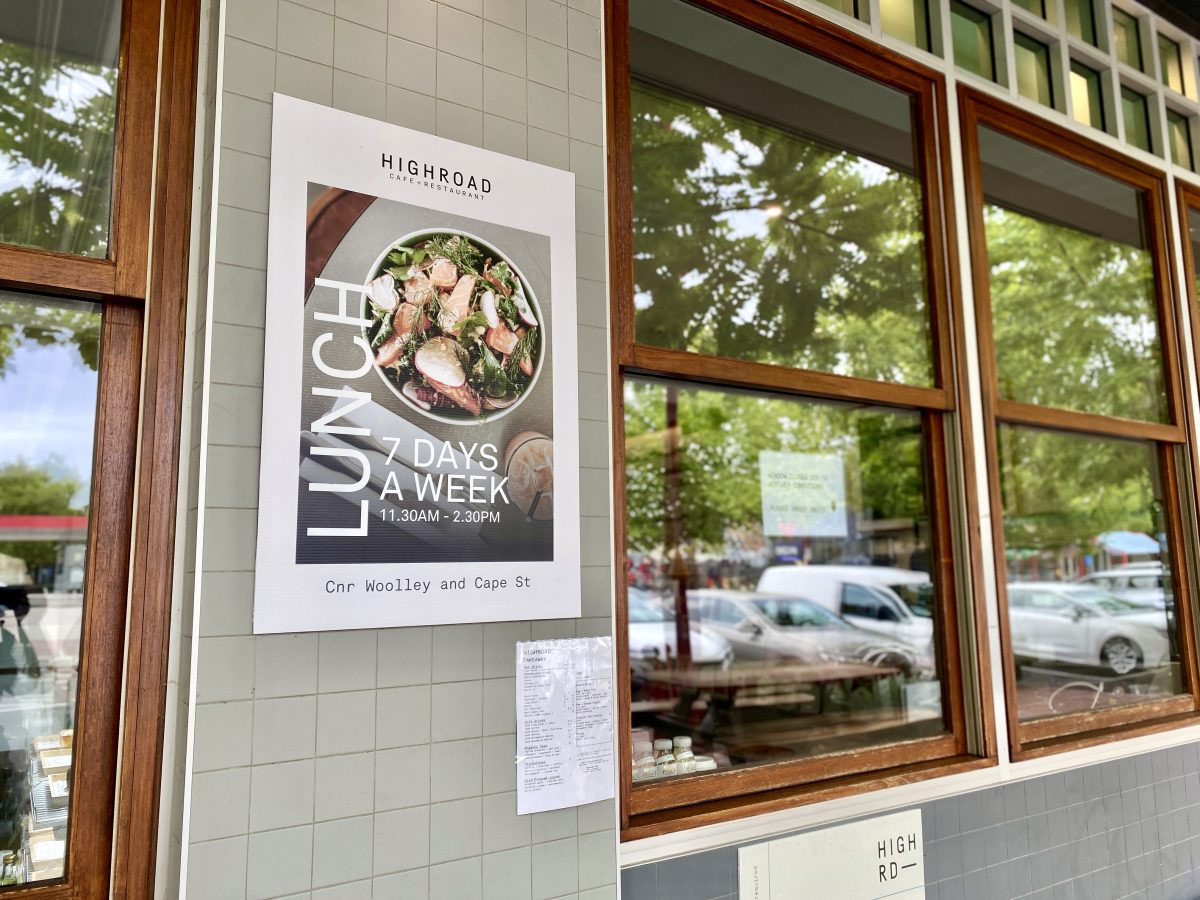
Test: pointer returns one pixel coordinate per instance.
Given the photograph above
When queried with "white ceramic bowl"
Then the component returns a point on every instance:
(498, 255)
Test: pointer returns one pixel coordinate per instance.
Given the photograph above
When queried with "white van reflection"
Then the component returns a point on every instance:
(773, 626)
(652, 637)
(895, 603)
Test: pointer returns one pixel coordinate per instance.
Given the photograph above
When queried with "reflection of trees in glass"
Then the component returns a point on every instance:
(1061, 491)
(1074, 318)
(45, 323)
(720, 437)
(754, 243)
(37, 490)
(57, 120)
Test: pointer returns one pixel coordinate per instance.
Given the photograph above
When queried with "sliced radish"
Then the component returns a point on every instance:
(382, 291)
(487, 303)
(522, 305)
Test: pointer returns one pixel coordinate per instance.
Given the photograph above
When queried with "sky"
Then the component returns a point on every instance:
(48, 409)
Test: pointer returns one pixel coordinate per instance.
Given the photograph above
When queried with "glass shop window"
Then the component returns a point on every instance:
(971, 31)
(58, 90)
(1179, 137)
(1081, 19)
(1033, 69)
(907, 20)
(1170, 59)
(49, 356)
(1135, 110)
(1085, 445)
(1087, 96)
(781, 536)
(1127, 39)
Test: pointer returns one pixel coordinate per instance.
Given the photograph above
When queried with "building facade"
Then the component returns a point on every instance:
(887, 410)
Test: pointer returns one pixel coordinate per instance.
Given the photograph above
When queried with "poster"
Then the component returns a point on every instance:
(803, 494)
(564, 723)
(420, 440)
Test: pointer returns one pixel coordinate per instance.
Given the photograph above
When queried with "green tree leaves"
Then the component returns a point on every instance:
(755, 243)
(57, 124)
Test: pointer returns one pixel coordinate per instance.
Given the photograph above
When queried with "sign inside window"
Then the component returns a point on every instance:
(803, 494)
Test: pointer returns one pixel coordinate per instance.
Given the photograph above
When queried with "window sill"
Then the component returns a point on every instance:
(696, 830)
(724, 811)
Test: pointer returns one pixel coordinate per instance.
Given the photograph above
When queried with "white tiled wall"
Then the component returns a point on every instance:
(372, 763)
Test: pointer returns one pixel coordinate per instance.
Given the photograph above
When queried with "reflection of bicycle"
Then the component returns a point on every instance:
(1097, 689)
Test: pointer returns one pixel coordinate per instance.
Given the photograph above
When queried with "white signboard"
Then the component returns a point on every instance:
(420, 439)
(868, 860)
(803, 494)
(564, 723)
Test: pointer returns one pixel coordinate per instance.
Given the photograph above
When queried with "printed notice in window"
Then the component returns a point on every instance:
(564, 723)
(803, 494)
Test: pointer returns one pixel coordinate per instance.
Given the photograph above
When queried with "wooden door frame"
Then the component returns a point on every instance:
(143, 287)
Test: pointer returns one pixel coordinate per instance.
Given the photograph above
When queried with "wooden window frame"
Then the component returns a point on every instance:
(142, 288)
(1071, 731)
(652, 809)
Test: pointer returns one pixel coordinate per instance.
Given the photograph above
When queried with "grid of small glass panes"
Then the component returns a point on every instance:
(1120, 69)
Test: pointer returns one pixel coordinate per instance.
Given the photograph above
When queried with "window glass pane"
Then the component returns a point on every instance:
(777, 219)
(1037, 7)
(907, 20)
(1074, 310)
(1125, 36)
(1076, 507)
(1087, 101)
(1179, 136)
(48, 356)
(849, 7)
(1172, 63)
(972, 33)
(1136, 112)
(58, 88)
(794, 536)
(1194, 229)
(1081, 19)
(1033, 69)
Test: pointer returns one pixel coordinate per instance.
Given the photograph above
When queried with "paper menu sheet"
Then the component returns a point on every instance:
(564, 723)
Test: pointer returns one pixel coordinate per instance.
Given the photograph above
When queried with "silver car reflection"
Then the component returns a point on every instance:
(1080, 625)
(779, 626)
(1143, 583)
(653, 639)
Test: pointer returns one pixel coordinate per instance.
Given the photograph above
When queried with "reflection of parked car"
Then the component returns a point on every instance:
(897, 603)
(652, 635)
(774, 626)
(1142, 583)
(1073, 623)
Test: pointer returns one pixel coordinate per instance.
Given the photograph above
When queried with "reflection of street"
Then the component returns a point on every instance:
(53, 626)
(38, 661)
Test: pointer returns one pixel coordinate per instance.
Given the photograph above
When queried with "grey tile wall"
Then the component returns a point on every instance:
(373, 763)
(1123, 829)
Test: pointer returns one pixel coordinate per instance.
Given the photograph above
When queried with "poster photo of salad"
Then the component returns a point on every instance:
(455, 328)
(418, 462)
(427, 388)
